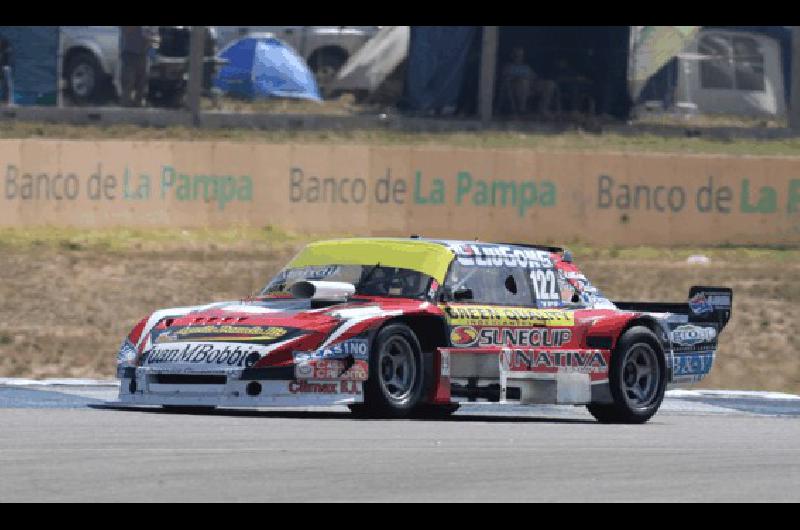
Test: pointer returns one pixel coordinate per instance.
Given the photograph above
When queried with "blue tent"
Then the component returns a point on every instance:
(261, 66)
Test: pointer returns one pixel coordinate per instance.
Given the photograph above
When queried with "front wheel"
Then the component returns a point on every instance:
(396, 374)
(638, 379)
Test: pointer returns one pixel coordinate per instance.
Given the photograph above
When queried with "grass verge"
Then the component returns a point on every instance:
(569, 141)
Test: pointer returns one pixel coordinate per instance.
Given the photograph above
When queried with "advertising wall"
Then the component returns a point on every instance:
(494, 194)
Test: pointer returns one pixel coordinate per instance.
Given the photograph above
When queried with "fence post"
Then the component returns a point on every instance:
(196, 48)
(9, 82)
(488, 73)
(794, 95)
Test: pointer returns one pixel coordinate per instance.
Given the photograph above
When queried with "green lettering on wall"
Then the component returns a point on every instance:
(767, 200)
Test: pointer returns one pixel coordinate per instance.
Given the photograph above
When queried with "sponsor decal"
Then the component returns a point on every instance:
(444, 359)
(700, 305)
(308, 367)
(307, 273)
(689, 335)
(495, 336)
(224, 333)
(325, 387)
(434, 288)
(127, 353)
(481, 255)
(215, 354)
(711, 300)
(355, 348)
(475, 315)
(692, 364)
(551, 361)
(463, 336)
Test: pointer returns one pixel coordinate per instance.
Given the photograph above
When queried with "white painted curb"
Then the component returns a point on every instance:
(14, 381)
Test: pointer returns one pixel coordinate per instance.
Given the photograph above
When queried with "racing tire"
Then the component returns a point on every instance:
(637, 379)
(434, 412)
(396, 379)
(86, 81)
(188, 409)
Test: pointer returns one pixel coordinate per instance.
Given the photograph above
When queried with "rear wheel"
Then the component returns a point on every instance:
(396, 374)
(637, 378)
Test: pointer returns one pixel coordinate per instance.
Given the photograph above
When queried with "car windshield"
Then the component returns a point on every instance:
(370, 280)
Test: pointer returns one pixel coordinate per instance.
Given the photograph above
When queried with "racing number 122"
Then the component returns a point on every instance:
(544, 283)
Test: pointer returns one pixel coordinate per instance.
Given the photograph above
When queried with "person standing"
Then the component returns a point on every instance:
(134, 46)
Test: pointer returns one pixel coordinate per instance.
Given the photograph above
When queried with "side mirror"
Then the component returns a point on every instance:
(462, 294)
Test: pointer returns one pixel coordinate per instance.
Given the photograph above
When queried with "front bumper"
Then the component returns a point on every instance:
(231, 388)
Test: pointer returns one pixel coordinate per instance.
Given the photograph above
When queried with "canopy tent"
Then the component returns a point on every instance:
(33, 54)
(733, 70)
(373, 63)
(438, 66)
(261, 66)
(652, 47)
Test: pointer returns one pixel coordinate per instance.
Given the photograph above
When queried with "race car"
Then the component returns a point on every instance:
(395, 327)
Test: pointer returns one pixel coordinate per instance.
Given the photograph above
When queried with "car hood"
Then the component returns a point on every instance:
(274, 327)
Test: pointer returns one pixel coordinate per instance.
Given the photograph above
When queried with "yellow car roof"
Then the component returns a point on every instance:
(423, 256)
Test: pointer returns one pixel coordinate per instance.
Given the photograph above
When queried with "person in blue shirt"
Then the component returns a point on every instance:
(521, 83)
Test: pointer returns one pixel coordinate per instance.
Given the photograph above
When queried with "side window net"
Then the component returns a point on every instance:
(493, 285)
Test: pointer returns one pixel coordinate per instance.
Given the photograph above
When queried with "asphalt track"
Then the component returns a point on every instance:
(56, 445)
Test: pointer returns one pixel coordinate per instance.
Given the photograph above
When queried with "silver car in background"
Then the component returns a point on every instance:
(91, 69)
(90, 62)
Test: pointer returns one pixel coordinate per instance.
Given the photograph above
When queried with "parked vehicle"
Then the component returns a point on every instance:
(396, 327)
(91, 58)
(325, 48)
(91, 66)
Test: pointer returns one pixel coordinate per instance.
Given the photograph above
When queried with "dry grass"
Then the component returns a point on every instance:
(69, 297)
(574, 140)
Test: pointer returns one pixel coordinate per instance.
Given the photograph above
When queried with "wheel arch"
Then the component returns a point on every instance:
(648, 322)
(430, 330)
(662, 341)
(85, 47)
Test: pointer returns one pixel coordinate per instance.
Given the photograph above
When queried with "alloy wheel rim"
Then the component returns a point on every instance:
(640, 376)
(398, 371)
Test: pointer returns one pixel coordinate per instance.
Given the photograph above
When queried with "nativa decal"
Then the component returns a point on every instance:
(585, 361)
(466, 336)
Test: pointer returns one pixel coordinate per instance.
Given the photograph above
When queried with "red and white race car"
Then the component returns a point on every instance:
(402, 327)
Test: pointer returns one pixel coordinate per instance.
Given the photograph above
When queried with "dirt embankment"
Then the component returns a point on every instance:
(64, 311)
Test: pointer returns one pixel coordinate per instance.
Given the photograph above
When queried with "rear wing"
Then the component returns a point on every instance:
(705, 304)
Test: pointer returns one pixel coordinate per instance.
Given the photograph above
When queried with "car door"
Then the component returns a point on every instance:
(503, 307)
